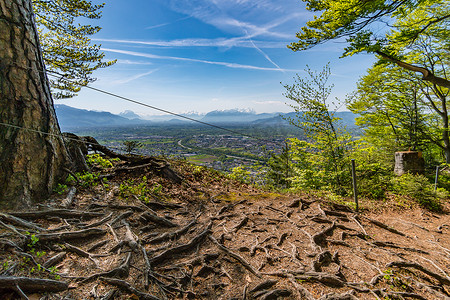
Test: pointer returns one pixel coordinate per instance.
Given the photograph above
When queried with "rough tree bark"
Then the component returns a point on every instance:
(31, 162)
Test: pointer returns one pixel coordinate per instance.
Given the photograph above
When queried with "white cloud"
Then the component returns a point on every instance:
(166, 24)
(132, 62)
(135, 77)
(265, 55)
(226, 15)
(219, 63)
(269, 102)
(218, 42)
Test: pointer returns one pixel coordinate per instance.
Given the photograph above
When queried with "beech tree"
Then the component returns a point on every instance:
(321, 160)
(395, 92)
(406, 22)
(32, 152)
(390, 106)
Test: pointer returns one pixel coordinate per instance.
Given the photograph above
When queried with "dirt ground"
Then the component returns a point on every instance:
(213, 238)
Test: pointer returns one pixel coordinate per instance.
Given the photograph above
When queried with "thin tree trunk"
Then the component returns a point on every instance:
(446, 139)
(32, 153)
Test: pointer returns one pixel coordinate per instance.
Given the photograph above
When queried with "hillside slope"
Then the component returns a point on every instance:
(210, 237)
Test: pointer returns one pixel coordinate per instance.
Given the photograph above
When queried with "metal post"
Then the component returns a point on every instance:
(355, 190)
(436, 178)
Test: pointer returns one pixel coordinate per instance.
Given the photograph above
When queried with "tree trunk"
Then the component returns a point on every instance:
(32, 152)
(445, 125)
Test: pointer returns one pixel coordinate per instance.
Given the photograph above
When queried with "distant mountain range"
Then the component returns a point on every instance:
(235, 116)
(129, 115)
(70, 117)
(347, 119)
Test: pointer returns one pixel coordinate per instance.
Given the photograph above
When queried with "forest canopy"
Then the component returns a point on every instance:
(407, 24)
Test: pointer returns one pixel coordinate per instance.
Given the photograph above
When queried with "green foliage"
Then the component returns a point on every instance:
(33, 240)
(444, 177)
(419, 189)
(390, 108)
(88, 179)
(240, 174)
(373, 170)
(30, 263)
(60, 189)
(131, 146)
(70, 180)
(352, 19)
(5, 265)
(394, 280)
(407, 25)
(140, 189)
(322, 161)
(399, 111)
(65, 42)
(198, 172)
(32, 244)
(279, 170)
(96, 160)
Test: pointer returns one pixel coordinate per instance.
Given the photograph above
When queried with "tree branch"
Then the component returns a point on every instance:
(427, 75)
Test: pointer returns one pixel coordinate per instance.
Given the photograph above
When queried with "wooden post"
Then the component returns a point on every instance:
(436, 178)
(355, 190)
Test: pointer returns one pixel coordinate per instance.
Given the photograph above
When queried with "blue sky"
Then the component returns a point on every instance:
(204, 55)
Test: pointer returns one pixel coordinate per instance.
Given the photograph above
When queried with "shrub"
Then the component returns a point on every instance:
(141, 189)
(240, 174)
(419, 189)
(88, 179)
(373, 180)
(98, 161)
(60, 189)
(198, 172)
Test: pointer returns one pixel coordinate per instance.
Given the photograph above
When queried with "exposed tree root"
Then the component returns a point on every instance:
(62, 213)
(121, 217)
(152, 217)
(406, 264)
(322, 277)
(393, 245)
(263, 286)
(158, 165)
(122, 271)
(70, 235)
(320, 238)
(163, 250)
(243, 222)
(384, 226)
(18, 221)
(235, 256)
(170, 235)
(276, 294)
(32, 284)
(68, 201)
(129, 288)
(96, 224)
(54, 260)
(302, 292)
(155, 260)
